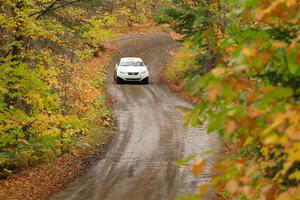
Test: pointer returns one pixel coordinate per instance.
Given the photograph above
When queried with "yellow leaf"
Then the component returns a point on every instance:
(294, 156)
(295, 175)
(273, 139)
(249, 52)
(183, 109)
(218, 71)
(278, 44)
(198, 167)
(22, 141)
(287, 166)
(203, 189)
(278, 120)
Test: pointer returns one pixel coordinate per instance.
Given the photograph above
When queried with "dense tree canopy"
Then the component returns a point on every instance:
(245, 75)
(39, 41)
(49, 98)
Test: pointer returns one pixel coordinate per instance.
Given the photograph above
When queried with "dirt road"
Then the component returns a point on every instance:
(151, 137)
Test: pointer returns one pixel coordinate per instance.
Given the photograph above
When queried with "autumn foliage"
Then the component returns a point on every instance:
(250, 91)
(53, 59)
(48, 104)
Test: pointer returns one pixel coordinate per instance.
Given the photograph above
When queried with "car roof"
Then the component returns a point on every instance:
(131, 59)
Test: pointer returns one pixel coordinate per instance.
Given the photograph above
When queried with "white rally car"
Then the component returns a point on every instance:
(131, 69)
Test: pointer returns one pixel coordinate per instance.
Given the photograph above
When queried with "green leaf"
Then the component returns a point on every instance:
(293, 66)
(185, 160)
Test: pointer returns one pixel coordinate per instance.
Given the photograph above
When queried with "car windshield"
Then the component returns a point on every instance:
(131, 63)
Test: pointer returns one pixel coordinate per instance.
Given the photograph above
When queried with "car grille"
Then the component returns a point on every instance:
(133, 73)
(133, 79)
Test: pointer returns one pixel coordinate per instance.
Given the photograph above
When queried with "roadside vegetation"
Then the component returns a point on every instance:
(53, 60)
(241, 63)
(55, 114)
(47, 101)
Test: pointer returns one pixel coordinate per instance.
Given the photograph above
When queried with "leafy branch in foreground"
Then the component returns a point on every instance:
(249, 93)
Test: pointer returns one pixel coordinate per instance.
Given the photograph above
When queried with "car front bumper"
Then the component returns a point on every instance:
(126, 77)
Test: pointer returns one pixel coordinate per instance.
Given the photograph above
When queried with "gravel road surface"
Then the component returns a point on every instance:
(150, 137)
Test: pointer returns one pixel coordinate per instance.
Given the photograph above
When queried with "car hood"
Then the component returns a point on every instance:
(132, 69)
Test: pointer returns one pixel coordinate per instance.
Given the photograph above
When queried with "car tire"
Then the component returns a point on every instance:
(146, 81)
(119, 80)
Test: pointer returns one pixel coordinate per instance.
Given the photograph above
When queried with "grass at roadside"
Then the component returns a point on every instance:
(182, 67)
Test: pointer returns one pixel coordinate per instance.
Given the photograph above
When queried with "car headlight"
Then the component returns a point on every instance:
(121, 72)
(144, 72)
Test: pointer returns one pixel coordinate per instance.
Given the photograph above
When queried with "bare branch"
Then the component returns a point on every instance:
(52, 7)
(45, 10)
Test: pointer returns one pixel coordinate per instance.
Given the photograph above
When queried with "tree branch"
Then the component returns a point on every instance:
(52, 7)
(42, 12)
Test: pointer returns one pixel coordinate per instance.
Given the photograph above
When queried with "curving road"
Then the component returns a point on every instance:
(150, 137)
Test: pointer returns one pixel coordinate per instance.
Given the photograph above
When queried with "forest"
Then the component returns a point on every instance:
(49, 98)
(239, 64)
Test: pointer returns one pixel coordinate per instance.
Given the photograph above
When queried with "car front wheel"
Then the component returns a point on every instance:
(146, 80)
(119, 80)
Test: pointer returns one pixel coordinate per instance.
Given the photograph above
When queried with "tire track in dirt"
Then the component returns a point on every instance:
(150, 138)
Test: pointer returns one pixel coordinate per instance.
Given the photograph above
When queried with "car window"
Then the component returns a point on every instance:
(131, 63)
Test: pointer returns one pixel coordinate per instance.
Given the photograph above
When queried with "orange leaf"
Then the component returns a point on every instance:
(198, 167)
(278, 44)
(252, 97)
(290, 3)
(213, 92)
(231, 126)
(269, 192)
(232, 186)
(293, 133)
